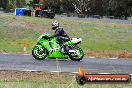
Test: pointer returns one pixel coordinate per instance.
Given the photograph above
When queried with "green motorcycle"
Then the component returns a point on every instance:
(51, 48)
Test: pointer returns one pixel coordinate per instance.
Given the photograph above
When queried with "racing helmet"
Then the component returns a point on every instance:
(55, 25)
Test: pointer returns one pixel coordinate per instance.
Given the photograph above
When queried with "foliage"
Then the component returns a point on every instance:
(117, 8)
(67, 5)
(11, 4)
(53, 5)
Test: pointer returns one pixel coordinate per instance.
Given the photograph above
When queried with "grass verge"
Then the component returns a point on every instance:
(16, 79)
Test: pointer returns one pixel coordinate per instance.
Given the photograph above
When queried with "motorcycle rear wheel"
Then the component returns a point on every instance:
(39, 53)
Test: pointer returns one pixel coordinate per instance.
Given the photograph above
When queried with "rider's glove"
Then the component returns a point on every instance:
(46, 37)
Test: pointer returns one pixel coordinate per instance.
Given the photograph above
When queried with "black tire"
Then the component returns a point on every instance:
(38, 57)
(73, 57)
(81, 80)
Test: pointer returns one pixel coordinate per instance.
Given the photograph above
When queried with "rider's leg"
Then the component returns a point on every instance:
(61, 42)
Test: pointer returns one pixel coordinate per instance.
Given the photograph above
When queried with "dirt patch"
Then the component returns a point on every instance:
(112, 54)
(38, 26)
(30, 25)
(37, 75)
(122, 25)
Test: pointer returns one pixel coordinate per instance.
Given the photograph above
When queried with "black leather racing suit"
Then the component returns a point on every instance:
(61, 36)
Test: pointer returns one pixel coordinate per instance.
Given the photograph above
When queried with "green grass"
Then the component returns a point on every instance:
(98, 36)
(38, 84)
(18, 79)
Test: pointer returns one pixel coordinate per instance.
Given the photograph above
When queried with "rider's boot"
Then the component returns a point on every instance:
(63, 50)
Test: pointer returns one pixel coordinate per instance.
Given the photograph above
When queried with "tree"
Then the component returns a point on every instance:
(11, 4)
(67, 5)
(81, 6)
(20, 3)
(119, 8)
(3, 3)
(53, 5)
(96, 7)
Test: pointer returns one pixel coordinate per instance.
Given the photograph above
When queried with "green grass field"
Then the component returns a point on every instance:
(16, 79)
(42, 84)
(97, 36)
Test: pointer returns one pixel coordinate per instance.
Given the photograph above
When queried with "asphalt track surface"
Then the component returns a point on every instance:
(94, 65)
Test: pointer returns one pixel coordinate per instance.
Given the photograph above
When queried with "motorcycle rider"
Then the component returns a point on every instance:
(60, 34)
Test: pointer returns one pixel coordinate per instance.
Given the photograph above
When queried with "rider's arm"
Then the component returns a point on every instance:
(53, 36)
(56, 34)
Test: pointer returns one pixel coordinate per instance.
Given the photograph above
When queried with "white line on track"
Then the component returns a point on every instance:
(56, 71)
(91, 57)
(75, 72)
(62, 71)
(113, 58)
(29, 70)
(26, 54)
(4, 53)
(14, 54)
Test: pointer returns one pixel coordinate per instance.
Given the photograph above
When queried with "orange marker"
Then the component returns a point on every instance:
(25, 45)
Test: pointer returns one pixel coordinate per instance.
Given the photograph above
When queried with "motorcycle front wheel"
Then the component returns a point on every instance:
(39, 53)
(78, 55)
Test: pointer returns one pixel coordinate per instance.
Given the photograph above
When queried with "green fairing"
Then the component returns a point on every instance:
(69, 43)
(52, 47)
